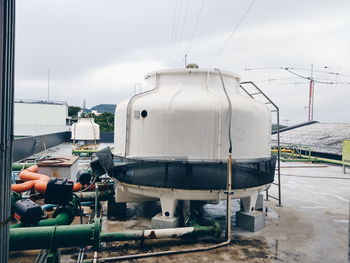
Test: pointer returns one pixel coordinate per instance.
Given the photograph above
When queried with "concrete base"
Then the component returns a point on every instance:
(259, 206)
(159, 221)
(252, 221)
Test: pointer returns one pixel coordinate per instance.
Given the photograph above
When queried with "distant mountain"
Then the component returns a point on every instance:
(104, 108)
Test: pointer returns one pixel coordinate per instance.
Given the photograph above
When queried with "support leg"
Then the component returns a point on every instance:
(248, 203)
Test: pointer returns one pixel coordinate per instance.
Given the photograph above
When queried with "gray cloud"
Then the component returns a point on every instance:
(98, 50)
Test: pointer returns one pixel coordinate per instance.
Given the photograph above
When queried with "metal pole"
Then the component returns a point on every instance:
(279, 157)
(311, 92)
(7, 27)
(48, 84)
(228, 197)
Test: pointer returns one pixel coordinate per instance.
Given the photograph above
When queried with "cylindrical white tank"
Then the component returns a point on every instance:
(185, 116)
(85, 130)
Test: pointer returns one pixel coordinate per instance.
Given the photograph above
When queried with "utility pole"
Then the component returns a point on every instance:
(311, 95)
(48, 84)
(185, 60)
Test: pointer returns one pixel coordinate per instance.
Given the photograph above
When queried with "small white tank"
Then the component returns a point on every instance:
(185, 115)
(85, 130)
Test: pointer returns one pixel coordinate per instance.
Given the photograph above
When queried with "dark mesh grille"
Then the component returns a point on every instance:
(194, 176)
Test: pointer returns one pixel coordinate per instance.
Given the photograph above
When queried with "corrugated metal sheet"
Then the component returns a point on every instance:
(318, 137)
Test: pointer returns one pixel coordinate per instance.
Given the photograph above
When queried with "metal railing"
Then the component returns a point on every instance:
(258, 91)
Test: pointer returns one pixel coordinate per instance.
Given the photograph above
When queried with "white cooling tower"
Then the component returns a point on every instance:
(85, 130)
(185, 115)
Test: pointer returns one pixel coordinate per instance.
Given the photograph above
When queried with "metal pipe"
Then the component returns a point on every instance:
(46, 237)
(21, 166)
(90, 196)
(228, 198)
(62, 218)
(161, 233)
(306, 158)
(84, 151)
(7, 47)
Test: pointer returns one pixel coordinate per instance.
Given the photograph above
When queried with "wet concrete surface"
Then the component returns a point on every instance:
(311, 226)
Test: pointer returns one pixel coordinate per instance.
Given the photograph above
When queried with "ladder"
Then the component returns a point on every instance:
(252, 94)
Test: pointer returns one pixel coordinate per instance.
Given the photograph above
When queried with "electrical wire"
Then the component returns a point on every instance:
(179, 46)
(322, 71)
(232, 33)
(229, 109)
(315, 80)
(172, 31)
(295, 68)
(177, 25)
(195, 27)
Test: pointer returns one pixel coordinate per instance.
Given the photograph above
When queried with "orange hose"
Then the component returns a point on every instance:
(19, 188)
(39, 181)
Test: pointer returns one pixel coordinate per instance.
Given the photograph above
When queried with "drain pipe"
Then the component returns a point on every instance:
(228, 208)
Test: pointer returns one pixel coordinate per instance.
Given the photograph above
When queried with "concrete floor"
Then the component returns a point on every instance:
(311, 226)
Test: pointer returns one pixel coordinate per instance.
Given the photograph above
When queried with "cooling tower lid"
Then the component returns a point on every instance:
(191, 70)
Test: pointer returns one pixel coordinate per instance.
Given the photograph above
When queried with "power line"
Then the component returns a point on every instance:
(232, 33)
(294, 68)
(195, 26)
(182, 31)
(323, 71)
(172, 31)
(316, 80)
(177, 23)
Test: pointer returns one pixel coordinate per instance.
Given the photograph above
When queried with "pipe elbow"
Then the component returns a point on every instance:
(40, 186)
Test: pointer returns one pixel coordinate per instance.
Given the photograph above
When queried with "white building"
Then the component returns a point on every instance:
(40, 117)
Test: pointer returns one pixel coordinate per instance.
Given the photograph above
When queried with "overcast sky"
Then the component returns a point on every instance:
(98, 50)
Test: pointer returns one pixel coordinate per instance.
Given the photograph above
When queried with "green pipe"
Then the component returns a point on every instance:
(122, 236)
(84, 151)
(45, 237)
(21, 166)
(325, 160)
(51, 237)
(305, 158)
(90, 196)
(296, 160)
(62, 216)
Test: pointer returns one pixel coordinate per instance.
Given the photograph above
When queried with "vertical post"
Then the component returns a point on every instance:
(48, 84)
(185, 60)
(311, 95)
(279, 157)
(228, 197)
(7, 28)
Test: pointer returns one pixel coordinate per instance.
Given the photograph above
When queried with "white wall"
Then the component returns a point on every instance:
(36, 119)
